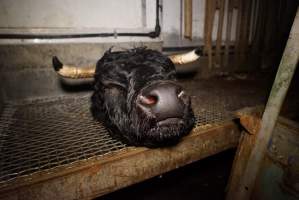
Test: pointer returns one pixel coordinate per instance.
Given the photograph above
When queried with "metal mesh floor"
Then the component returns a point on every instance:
(44, 134)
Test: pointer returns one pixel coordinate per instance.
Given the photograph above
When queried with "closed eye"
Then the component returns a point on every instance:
(113, 84)
(116, 86)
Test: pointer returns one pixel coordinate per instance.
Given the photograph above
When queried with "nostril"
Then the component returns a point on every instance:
(148, 100)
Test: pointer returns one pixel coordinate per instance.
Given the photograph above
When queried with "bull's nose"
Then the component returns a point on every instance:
(163, 101)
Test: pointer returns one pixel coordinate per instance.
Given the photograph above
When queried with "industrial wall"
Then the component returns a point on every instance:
(97, 16)
(30, 59)
(77, 14)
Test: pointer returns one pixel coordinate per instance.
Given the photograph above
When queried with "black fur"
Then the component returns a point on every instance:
(119, 78)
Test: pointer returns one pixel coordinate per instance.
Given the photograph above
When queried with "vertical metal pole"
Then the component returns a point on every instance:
(280, 87)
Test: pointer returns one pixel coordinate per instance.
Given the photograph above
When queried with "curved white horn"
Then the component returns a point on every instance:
(186, 57)
(73, 72)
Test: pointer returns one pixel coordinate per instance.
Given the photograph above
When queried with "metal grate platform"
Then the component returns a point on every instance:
(43, 134)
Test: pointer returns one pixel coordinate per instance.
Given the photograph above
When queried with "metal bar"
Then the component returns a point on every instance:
(279, 89)
(219, 32)
(188, 19)
(209, 23)
(258, 35)
(253, 20)
(246, 31)
(238, 33)
(181, 19)
(228, 31)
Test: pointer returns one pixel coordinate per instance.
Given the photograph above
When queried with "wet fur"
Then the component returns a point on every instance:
(119, 78)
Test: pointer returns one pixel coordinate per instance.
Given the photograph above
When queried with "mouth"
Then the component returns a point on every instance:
(170, 121)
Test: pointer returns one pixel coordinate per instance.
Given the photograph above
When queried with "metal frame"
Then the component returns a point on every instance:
(52, 148)
(100, 175)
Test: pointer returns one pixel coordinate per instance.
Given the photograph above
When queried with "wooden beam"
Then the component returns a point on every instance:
(188, 19)
(219, 32)
(250, 119)
(209, 23)
(228, 31)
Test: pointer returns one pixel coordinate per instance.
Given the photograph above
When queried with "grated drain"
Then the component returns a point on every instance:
(43, 134)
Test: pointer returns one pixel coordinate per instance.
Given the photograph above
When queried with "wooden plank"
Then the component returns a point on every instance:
(228, 31)
(98, 176)
(250, 119)
(219, 32)
(244, 33)
(238, 33)
(188, 19)
(258, 36)
(209, 24)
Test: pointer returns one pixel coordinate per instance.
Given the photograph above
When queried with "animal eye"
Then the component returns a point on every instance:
(113, 84)
(118, 86)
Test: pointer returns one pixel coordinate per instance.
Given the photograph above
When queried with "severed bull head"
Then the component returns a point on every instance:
(137, 96)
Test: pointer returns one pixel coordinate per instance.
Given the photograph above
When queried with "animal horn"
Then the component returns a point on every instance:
(74, 72)
(186, 57)
(69, 71)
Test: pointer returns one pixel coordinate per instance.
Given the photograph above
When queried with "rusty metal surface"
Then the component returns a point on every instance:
(42, 136)
(97, 177)
(57, 151)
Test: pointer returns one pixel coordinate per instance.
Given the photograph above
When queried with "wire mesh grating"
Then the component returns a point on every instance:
(41, 135)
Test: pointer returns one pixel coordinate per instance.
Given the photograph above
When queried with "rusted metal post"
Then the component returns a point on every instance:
(279, 89)
(240, 19)
(228, 31)
(244, 42)
(209, 24)
(188, 19)
(221, 6)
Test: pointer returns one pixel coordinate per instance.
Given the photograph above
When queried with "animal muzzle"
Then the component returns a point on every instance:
(166, 102)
